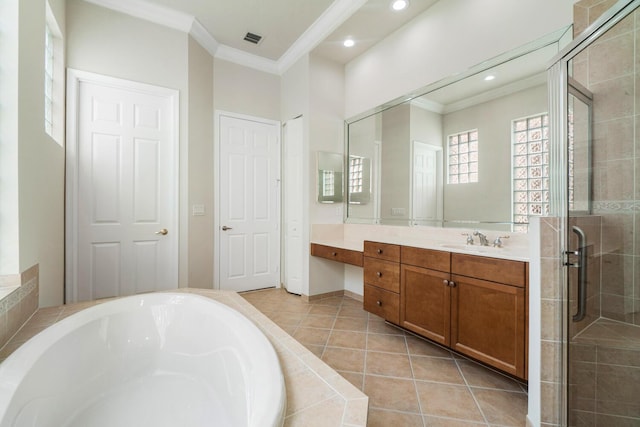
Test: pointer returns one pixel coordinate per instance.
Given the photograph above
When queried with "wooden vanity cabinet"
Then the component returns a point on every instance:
(382, 280)
(333, 253)
(488, 311)
(425, 296)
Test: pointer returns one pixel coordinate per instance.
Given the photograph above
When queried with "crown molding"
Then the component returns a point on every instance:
(202, 36)
(149, 12)
(427, 104)
(247, 59)
(331, 18)
(338, 12)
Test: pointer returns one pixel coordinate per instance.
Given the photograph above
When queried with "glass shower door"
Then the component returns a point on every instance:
(603, 276)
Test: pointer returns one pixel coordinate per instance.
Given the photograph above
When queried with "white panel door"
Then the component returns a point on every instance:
(249, 206)
(426, 185)
(125, 203)
(293, 202)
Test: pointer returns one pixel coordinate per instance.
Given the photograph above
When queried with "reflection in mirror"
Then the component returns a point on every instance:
(330, 183)
(447, 157)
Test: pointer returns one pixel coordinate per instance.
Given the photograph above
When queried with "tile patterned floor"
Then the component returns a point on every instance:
(409, 381)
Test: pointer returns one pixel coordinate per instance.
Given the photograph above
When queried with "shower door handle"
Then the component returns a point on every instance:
(581, 265)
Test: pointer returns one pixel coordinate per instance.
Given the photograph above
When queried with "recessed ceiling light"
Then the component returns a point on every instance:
(399, 4)
(489, 78)
(348, 43)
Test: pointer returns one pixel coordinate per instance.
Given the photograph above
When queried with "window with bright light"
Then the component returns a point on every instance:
(48, 81)
(462, 160)
(530, 169)
(355, 174)
(54, 80)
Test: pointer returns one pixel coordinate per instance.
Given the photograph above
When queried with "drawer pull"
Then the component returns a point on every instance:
(379, 303)
(379, 273)
(334, 253)
(379, 251)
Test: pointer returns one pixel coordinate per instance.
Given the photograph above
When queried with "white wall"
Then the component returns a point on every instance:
(40, 160)
(447, 38)
(200, 170)
(295, 102)
(247, 91)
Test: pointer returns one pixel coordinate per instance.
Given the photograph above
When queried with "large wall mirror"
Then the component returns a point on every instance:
(468, 151)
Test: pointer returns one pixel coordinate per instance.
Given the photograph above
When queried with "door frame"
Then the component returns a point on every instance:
(74, 79)
(218, 114)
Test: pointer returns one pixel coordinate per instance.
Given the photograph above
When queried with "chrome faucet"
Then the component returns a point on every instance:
(469, 238)
(483, 239)
(498, 242)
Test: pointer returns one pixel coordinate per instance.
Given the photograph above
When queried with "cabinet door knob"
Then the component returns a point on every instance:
(379, 303)
(452, 284)
(334, 253)
(445, 282)
(379, 251)
(379, 273)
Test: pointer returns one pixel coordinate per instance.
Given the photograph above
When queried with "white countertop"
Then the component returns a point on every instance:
(352, 237)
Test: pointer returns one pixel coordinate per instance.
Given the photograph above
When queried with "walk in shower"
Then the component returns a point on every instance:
(597, 197)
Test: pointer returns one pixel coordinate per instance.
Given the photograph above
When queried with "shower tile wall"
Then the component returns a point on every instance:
(17, 307)
(608, 69)
(605, 361)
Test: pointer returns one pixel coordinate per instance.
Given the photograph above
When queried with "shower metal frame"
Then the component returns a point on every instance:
(559, 83)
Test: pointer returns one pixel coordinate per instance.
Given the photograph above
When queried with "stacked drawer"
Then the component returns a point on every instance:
(382, 280)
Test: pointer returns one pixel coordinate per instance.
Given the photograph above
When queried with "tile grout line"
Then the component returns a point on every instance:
(471, 391)
(415, 385)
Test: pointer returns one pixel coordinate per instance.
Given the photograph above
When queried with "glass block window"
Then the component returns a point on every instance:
(530, 169)
(48, 81)
(462, 151)
(328, 183)
(355, 174)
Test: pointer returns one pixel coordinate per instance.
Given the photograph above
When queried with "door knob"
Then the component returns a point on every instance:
(225, 228)
(163, 232)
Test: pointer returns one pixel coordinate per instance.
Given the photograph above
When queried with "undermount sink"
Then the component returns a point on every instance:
(469, 248)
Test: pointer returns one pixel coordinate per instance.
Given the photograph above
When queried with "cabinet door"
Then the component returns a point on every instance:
(488, 323)
(425, 303)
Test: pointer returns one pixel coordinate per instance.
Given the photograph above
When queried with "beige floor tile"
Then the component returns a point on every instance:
(327, 310)
(284, 318)
(317, 321)
(379, 326)
(388, 364)
(312, 336)
(436, 369)
(502, 407)
(388, 343)
(348, 339)
(391, 393)
(437, 399)
(317, 350)
(449, 422)
(355, 378)
(348, 311)
(420, 347)
(344, 359)
(351, 324)
(336, 301)
(384, 418)
(480, 376)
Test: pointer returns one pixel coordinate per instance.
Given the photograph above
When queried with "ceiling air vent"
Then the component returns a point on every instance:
(253, 38)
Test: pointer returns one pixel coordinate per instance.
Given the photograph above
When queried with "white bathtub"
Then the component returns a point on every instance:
(166, 359)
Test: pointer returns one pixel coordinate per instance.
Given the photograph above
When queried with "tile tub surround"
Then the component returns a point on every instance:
(352, 236)
(18, 301)
(316, 394)
(409, 381)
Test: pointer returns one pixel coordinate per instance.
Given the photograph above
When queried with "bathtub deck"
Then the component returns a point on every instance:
(316, 394)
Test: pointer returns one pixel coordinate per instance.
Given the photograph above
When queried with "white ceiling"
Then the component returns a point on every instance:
(290, 28)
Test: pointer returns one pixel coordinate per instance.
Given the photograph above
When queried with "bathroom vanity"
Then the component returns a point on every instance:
(474, 304)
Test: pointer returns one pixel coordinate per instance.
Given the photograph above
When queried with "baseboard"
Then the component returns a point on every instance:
(312, 298)
(353, 295)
